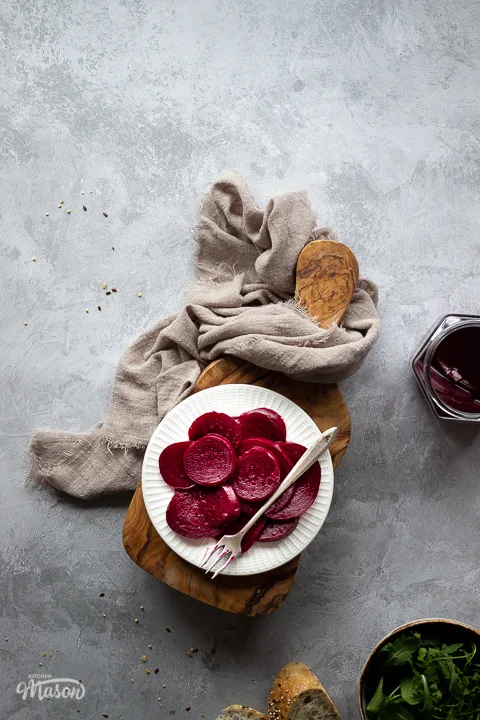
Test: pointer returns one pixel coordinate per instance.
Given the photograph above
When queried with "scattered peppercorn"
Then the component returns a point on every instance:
(108, 292)
(105, 214)
(156, 670)
(189, 707)
(85, 208)
(194, 650)
(213, 651)
(99, 307)
(104, 715)
(168, 629)
(102, 594)
(114, 289)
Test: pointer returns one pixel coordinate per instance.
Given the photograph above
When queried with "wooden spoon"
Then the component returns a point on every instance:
(327, 274)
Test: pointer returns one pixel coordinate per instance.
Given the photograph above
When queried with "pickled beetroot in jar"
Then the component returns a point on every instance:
(447, 367)
(455, 369)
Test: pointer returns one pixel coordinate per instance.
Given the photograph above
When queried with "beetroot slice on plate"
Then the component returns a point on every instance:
(252, 534)
(216, 423)
(262, 423)
(250, 508)
(185, 515)
(257, 476)
(283, 500)
(306, 490)
(283, 460)
(293, 451)
(171, 467)
(210, 460)
(219, 505)
(274, 531)
(286, 464)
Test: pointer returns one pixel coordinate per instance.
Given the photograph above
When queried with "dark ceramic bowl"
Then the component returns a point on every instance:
(449, 631)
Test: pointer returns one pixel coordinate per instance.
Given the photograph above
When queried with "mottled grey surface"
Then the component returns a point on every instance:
(370, 105)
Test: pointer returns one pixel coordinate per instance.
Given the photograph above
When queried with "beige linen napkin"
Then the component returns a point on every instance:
(242, 306)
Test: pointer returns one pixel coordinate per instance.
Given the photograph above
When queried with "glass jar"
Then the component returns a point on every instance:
(447, 367)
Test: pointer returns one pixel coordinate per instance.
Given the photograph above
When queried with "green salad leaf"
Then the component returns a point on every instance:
(401, 650)
(411, 692)
(421, 678)
(378, 700)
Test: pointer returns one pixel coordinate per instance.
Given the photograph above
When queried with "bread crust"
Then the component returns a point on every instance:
(290, 685)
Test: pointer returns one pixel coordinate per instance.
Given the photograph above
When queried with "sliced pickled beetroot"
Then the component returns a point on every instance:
(283, 460)
(216, 423)
(262, 423)
(293, 451)
(274, 531)
(171, 467)
(252, 534)
(286, 464)
(210, 460)
(185, 515)
(283, 500)
(306, 490)
(219, 505)
(250, 508)
(257, 475)
(453, 395)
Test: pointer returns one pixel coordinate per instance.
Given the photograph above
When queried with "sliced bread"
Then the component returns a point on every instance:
(240, 712)
(297, 694)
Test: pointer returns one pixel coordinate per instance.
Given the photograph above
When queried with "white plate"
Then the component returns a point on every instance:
(234, 399)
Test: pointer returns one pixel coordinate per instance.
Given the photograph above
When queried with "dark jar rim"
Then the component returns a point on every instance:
(432, 347)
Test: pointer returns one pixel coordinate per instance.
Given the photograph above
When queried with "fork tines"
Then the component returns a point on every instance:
(210, 556)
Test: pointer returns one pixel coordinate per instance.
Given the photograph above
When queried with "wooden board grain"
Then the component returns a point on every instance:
(259, 594)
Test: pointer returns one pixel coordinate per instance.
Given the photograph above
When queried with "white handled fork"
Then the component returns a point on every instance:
(232, 544)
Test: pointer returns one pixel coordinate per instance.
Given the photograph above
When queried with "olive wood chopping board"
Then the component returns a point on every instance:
(326, 276)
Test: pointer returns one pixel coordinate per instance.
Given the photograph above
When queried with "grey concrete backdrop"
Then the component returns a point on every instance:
(373, 107)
